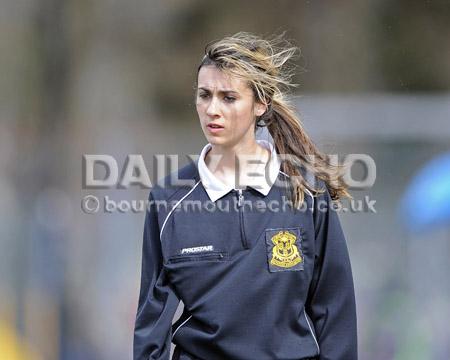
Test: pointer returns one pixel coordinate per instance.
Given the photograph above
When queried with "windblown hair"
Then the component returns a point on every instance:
(263, 63)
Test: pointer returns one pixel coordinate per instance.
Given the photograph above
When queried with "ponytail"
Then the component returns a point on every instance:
(301, 157)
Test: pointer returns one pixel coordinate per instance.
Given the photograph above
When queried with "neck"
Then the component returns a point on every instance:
(224, 162)
(228, 155)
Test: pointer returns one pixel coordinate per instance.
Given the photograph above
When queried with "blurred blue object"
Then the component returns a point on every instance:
(426, 201)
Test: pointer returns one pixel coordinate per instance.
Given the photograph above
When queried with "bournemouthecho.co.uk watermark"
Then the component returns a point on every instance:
(101, 173)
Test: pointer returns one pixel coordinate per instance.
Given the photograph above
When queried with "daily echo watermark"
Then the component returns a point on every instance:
(135, 173)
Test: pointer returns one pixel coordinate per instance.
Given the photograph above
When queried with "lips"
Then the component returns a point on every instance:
(215, 129)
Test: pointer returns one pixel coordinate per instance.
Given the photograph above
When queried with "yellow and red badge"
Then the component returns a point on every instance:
(284, 249)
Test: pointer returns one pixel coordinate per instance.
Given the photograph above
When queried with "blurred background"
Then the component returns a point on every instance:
(110, 77)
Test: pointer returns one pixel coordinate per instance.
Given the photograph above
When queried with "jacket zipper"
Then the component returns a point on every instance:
(241, 218)
(207, 256)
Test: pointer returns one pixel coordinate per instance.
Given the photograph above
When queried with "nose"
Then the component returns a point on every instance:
(213, 107)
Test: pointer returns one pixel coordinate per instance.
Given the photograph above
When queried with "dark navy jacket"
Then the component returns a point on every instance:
(257, 283)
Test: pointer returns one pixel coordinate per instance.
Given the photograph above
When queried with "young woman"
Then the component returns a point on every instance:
(247, 238)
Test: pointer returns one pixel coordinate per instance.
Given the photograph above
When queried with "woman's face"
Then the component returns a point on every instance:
(227, 102)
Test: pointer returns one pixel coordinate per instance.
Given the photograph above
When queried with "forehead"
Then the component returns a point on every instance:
(212, 78)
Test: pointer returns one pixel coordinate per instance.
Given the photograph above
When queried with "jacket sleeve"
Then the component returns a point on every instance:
(157, 301)
(331, 299)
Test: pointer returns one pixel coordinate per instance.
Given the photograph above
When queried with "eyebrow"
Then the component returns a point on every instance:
(222, 91)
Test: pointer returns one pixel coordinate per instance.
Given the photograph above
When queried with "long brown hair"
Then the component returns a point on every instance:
(264, 64)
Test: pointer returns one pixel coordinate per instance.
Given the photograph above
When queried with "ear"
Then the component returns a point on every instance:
(259, 108)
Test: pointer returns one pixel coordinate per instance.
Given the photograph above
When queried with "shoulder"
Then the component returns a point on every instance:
(319, 187)
(178, 181)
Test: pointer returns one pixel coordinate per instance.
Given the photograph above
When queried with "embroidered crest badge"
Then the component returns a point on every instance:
(284, 251)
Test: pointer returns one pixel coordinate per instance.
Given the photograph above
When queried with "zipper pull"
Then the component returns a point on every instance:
(240, 197)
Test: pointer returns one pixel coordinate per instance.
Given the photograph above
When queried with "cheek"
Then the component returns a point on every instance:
(238, 109)
(200, 107)
(245, 114)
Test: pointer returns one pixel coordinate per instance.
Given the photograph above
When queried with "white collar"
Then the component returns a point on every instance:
(216, 188)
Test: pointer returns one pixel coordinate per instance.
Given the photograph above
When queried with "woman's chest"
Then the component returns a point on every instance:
(236, 250)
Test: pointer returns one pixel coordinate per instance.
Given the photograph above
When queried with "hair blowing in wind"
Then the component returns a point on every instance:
(266, 65)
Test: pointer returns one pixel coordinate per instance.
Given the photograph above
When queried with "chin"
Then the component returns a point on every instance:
(215, 141)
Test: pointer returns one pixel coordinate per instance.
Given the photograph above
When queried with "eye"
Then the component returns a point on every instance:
(203, 95)
(229, 99)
